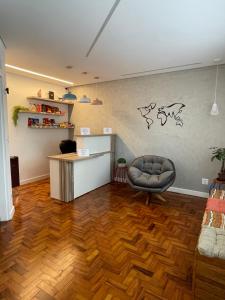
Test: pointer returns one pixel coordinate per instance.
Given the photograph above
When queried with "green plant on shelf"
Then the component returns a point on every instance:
(15, 114)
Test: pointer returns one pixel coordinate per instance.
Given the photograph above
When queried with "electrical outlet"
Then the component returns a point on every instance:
(205, 181)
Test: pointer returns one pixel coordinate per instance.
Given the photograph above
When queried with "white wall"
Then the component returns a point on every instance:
(32, 146)
(6, 205)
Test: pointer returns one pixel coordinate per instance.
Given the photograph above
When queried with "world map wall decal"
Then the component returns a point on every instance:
(172, 111)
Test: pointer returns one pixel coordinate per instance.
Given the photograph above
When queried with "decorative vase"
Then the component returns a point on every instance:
(39, 93)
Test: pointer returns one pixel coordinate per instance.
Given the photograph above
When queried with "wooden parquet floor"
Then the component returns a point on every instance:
(105, 245)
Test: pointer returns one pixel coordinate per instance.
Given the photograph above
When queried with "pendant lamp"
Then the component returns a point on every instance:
(69, 95)
(215, 109)
(85, 99)
(96, 101)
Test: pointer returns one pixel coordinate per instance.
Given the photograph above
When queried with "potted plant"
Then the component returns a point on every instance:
(219, 154)
(16, 110)
(121, 162)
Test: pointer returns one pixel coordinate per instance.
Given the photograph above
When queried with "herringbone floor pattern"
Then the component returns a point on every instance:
(104, 245)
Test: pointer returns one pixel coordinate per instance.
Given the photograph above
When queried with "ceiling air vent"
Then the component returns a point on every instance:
(162, 69)
(112, 10)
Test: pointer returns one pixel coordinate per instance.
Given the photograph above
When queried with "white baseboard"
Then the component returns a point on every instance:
(33, 179)
(171, 189)
(188, 192)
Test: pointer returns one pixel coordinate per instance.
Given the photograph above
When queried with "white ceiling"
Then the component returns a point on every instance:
(142, 35)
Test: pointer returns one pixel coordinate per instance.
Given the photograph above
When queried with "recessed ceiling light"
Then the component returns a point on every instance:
(69, 67)
(37, 74)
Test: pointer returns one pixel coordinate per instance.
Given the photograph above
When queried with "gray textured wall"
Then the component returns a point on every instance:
(187, 146)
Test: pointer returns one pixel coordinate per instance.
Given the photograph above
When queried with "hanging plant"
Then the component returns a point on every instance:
(16, 110)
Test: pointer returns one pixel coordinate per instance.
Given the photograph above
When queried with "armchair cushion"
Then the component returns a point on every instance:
(145, 179)
(151, 172)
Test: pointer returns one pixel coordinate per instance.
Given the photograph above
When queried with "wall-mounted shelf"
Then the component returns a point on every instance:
(50, 100)
(41, 113)
(48, 127)
(91, 103)
(39, 100)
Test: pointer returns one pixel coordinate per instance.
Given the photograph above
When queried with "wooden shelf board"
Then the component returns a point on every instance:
(33, 127)
(41, 113)
(67, 102)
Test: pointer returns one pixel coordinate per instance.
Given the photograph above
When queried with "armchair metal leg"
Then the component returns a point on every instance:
(137, 194)
(160, 197)
(148, 198)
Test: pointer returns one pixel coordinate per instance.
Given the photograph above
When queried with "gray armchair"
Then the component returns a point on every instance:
(151, 174)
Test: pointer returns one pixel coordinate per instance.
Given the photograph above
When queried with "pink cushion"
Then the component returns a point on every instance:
(216, 205)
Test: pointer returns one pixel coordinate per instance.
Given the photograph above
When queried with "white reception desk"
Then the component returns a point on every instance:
(72, 176)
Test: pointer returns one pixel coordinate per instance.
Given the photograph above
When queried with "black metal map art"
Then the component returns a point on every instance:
(172, 111)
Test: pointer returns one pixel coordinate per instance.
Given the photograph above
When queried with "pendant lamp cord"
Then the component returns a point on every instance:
(215, 95)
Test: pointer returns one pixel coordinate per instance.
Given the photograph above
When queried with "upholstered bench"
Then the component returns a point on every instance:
(209, 268)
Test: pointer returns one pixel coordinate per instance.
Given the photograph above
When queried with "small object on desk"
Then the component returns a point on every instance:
(85, 131)
(83, 152)
(107, 130)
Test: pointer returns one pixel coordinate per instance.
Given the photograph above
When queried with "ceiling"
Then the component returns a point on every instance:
(141, 37)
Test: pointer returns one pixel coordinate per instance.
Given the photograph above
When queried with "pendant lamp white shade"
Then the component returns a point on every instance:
(214, 110)
(85, 99)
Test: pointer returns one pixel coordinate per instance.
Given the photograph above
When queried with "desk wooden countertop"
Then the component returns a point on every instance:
(92, 135)
(73, 157)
